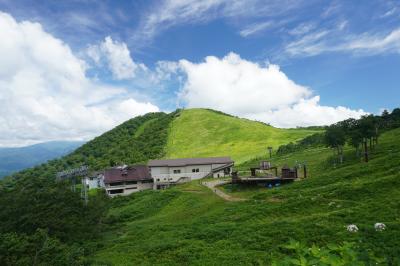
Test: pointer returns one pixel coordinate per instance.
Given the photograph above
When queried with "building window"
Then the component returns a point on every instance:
(177, 171)
(130, 188)
(130, 182)
(115, 191)
(197, 170)
(116, 184)
(158, 179)
(193, 170)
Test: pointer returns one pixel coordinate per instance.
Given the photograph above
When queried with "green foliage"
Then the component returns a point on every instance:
(202, 133)
(37, 249)
(189, 225)
(135, 141)
(313, 140)
(331, 255)
(32, 200)
(44, 221)
(335, 137)
(29, 204)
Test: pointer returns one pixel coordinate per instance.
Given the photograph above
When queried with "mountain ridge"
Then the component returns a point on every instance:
(161, 135)
(13, 159)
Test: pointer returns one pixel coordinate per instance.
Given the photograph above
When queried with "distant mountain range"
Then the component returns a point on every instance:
(15, 159)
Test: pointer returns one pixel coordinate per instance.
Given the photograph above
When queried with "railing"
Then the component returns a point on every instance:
(176, 177)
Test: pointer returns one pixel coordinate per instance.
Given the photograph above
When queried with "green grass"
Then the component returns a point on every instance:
(202, 132)
(189, 225)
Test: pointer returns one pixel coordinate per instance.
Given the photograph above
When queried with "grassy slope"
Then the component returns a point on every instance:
(202, 132)
(190, 225)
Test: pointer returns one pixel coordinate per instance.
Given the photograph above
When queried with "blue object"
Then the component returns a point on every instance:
(270, 186)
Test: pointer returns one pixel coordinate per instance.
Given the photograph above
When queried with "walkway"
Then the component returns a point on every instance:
(213, 186)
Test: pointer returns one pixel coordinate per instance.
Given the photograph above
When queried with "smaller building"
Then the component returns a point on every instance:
(127, 180)
(95, 180)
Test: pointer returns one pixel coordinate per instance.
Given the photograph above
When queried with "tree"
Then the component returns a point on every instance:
(368, 128)
(335, 138)
(355, 139)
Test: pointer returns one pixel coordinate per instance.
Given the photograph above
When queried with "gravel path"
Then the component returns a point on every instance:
(213, 186)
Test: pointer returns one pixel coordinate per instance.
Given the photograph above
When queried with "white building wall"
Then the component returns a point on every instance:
(94, 182)
(165, 175)
(128, 189)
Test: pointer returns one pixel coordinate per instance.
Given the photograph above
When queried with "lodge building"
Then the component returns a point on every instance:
(125, 180)
(160, 174)
(174, 171)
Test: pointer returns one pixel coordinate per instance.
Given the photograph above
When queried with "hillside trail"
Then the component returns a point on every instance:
(213, 186)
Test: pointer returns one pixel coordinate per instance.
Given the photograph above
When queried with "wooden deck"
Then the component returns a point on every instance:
(264, 178)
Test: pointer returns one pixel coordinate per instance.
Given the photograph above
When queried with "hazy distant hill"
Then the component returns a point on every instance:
(15, 159)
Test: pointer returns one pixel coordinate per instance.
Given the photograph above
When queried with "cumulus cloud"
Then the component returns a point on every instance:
(45, 93)
(244, 88)
(116, 56)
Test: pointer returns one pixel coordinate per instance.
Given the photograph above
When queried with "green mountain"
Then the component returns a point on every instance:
(47, 222)
(203, 132)
(183, 133)
(16, 159)
(190, 225)
(134, 141)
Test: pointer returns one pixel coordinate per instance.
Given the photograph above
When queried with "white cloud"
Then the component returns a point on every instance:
(374, 44)
(390, 12)
(170, 13)
(240, 87)
(302, 28)
(117, 57)
(45, 93)
(307, 112)
(254, 28)
(333, 40)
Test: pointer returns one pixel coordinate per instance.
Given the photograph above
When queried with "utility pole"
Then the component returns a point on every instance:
(84, 193)
(270, 151)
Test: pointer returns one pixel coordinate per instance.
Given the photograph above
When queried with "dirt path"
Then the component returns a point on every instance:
(213, 186)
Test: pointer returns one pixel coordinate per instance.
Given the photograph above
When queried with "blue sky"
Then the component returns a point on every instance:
(288, 63)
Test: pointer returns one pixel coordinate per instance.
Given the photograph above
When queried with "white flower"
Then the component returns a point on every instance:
(352, 228)
(380, 226)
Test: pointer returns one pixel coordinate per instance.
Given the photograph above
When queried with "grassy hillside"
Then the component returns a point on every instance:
(202, 132)
(188, 224)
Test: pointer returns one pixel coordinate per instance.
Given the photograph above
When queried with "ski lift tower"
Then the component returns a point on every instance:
(72, 174)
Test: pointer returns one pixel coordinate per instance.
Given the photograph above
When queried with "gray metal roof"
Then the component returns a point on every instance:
(130, 173)
(190, 161)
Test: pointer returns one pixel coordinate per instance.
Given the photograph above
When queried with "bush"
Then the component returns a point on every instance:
(332, 254)
(314, 140)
